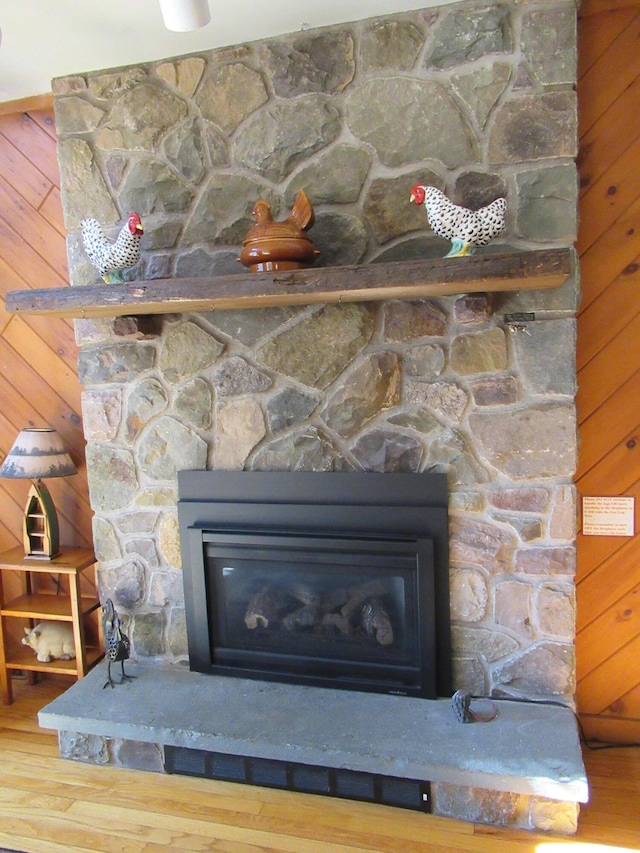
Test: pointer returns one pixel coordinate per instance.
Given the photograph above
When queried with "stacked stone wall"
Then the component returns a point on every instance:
(475, 98)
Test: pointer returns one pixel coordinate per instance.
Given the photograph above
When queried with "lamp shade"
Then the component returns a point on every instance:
(37, 454)
(182, 15)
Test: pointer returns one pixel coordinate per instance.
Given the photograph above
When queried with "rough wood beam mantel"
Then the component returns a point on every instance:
(534, 270)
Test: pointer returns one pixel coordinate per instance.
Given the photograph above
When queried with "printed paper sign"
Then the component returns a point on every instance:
(608, 516)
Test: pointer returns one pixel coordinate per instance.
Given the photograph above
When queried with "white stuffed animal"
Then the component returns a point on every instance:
(51, 640)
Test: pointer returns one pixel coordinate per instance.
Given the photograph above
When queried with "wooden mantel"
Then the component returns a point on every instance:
(530, 270)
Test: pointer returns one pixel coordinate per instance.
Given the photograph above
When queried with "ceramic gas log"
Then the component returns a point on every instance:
(357, 613)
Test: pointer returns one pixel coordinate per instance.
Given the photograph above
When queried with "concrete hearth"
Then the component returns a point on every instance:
(523, 769)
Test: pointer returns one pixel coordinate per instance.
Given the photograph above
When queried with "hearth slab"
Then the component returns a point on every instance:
(531, 749)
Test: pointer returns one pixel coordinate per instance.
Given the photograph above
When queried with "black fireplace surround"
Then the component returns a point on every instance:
(331, 579)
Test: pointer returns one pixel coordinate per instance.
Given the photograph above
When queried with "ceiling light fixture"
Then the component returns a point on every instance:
(179, 16)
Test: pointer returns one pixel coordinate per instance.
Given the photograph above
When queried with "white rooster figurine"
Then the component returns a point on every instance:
(465, 228)
(110, 259)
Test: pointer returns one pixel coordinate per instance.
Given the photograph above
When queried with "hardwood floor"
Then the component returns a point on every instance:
(47, 804)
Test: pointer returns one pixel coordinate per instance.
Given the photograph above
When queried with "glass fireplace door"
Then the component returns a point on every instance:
(341, 612)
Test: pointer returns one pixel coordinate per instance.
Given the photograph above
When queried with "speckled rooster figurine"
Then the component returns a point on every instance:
(111, 259)
(116, 643)
(465, 228)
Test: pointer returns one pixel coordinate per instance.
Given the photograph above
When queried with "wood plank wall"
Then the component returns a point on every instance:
(39, 387)
(608, 639)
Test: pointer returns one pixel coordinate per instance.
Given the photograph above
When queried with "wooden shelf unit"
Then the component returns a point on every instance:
(33, 605)
(530, 270)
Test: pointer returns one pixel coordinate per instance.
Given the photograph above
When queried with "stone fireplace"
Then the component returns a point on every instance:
(475, 98)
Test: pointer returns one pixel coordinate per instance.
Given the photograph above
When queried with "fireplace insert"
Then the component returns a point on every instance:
(334, 579)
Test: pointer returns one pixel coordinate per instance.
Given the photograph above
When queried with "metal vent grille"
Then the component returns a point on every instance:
(271, 773)
(186, 762)
(230, 767)
(315, 780)
(402, 792)
(355, 786)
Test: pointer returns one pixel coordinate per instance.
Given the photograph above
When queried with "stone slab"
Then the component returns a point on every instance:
(529, 748)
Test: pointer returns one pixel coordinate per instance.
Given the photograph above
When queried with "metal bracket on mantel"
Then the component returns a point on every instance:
(416, 279)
